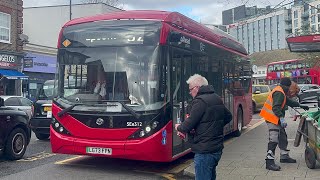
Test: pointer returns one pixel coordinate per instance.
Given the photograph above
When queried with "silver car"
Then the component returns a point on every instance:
(308, 92)
(19, 102)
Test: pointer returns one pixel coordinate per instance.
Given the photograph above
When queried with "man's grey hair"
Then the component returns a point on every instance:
(197, 80)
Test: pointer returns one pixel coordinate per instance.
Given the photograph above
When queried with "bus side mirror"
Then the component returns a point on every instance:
(1, 102)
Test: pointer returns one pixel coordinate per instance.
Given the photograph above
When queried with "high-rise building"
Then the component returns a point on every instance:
(306, 17)
(263, 32)
(214, 26)
(233, 15)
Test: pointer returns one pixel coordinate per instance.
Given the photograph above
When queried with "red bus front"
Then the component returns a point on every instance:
(112, 92)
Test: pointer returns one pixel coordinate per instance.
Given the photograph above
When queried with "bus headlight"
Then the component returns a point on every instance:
(142, 133)
(148, 129)
(58, 127)
(154, 124)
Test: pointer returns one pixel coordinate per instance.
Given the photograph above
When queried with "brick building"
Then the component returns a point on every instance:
(11, 43)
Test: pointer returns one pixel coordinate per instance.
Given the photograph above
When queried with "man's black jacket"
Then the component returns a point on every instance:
(208, 116)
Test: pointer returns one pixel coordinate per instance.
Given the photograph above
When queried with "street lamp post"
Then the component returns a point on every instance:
(70, 11)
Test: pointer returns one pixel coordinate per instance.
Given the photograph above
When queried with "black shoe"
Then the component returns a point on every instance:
(270, 165)
(273, 167)
(288, 160)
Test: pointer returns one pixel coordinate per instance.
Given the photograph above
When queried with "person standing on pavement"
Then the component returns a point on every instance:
(293, 92)
(273, 112)
(206, 120)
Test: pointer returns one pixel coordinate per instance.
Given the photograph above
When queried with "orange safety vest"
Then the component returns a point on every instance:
(266, 111)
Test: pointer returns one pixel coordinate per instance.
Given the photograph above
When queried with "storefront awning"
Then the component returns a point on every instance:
(13, 74)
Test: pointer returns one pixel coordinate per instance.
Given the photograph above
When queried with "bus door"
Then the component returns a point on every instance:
(227, 95)
(180, 72)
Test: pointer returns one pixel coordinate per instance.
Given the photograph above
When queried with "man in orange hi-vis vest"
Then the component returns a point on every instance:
(273, 112)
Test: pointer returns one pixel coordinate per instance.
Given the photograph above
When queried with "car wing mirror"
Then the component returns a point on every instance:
(1, 102)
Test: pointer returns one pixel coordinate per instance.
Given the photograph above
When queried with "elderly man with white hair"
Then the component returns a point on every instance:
(207, 118)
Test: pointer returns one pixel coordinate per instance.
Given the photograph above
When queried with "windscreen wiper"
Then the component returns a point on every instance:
(130, 110)
(61, 113)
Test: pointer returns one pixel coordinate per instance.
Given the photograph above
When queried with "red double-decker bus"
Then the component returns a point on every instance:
(122, 83)
(299, 70)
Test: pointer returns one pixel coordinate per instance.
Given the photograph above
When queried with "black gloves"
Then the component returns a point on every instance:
(306, 108)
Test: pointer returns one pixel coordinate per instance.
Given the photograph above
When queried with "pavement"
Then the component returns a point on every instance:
(243, 158)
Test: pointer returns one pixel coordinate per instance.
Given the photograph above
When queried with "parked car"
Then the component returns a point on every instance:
(272, 86)
(308, 92)
(15, 133)
(259, 96)
(41, 120)
(19, 102)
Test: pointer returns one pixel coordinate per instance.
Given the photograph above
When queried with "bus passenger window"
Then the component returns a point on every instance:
(288, 66)
(308, 65)
(270, 68)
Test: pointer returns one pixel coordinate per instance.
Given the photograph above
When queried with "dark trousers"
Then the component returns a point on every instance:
(205, 165)
(277, 136)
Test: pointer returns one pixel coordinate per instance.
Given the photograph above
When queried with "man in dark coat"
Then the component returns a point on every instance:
(207, 117)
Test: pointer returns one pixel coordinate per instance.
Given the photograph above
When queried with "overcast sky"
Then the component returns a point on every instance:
(205, 11)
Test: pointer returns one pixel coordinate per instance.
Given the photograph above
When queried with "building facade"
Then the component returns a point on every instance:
(11, 52)
(215, 26)
(306, 17)
(233, 15)
(263, 32)
(42, 25)
(259, 76)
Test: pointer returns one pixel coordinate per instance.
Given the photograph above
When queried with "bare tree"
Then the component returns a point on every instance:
(114, 3)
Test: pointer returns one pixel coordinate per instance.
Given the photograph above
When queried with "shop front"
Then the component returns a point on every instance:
(10, 76)
(39, 68)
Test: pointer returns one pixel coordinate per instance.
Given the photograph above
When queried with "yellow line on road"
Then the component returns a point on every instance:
(168, 176)
(180, 167)
(36, 157)
(253, 126)
(66, 161)
(245, 131)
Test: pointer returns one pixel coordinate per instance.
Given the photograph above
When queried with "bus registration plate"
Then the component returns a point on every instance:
(98, 150)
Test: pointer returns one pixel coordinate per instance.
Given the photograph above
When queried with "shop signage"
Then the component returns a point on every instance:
(27, 63)
(8, 60)
(33, 62)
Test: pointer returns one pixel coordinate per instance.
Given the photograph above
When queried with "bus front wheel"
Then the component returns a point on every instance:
(238, 132)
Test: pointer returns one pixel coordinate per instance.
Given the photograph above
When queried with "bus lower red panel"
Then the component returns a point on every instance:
(148, 149)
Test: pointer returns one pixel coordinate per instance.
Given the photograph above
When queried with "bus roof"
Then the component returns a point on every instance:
(213, 35)
(305, 43)
(286, 61)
